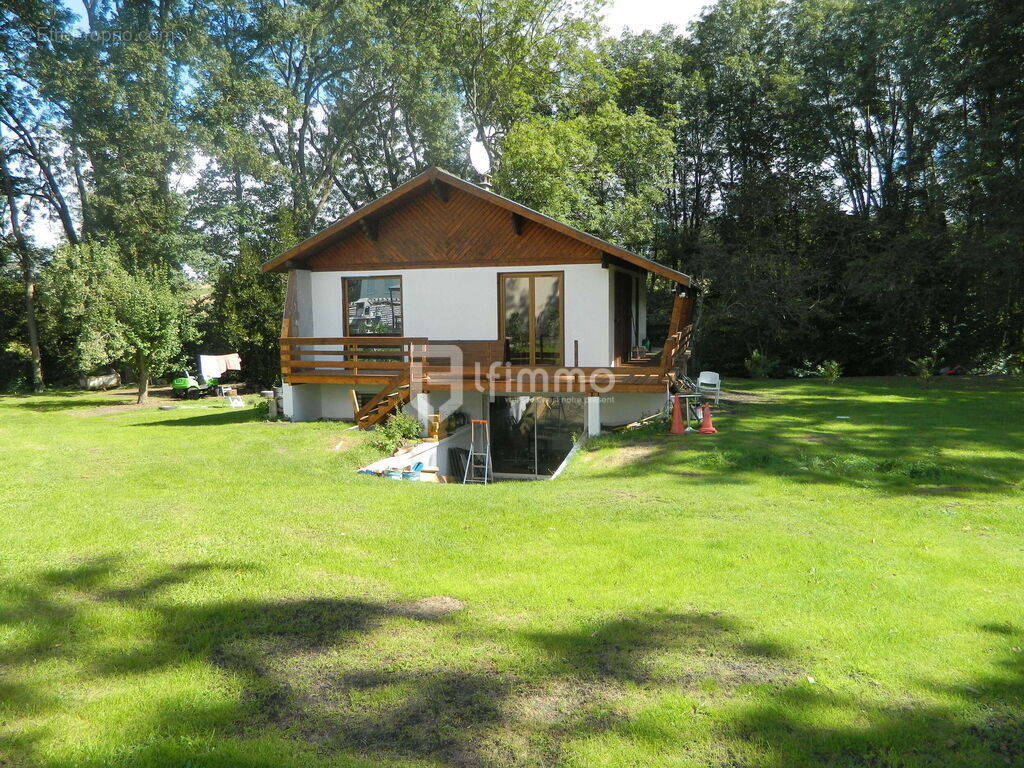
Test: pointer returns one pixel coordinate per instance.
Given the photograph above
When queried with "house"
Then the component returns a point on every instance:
(444, 297)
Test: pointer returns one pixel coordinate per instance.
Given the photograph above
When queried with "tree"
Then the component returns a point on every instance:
(339, 103)
(115, 92)
(26, 260)
(513, 59)
(246, 316)
(602, 172)
(135, 318)
(150, 315)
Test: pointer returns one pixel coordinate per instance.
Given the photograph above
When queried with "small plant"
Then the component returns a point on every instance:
(759, 365)
(922, 368)
(397, 431)
(830, 371)
(804, 371)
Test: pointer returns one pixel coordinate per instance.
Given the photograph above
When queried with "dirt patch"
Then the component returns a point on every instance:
(621, 457)
(559, 705)
(429, 608)
(726, 673)
(739, 397)
(123, 400)
(941, 490)
(625, 495)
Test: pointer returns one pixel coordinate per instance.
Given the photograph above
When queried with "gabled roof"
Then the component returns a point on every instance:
(436, 175)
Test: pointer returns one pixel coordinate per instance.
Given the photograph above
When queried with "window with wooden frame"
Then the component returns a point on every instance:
(372, 305)
(531, 312)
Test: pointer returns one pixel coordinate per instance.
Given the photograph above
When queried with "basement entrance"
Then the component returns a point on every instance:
(531, 436)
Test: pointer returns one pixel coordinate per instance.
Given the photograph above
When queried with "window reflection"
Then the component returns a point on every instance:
(532, 319)
(373, 306)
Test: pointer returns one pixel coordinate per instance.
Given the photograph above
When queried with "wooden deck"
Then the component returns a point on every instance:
(377, 362)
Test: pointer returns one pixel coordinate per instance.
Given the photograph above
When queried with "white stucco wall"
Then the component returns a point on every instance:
(462, 303)
(302, 402)
(618, 408)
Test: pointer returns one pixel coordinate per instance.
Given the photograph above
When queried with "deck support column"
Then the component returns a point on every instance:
(421, 405)
(593, 418)
(288, 401)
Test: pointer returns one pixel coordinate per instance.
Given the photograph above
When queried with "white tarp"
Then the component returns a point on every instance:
(213, 366)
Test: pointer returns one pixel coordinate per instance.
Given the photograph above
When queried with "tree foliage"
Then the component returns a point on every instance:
(110, 316)
(602, 172)
(245, 316)
(842, 176)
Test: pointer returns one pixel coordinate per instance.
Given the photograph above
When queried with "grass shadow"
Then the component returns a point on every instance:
(946, 441)
(42, 404)
(221, 417)
(309, 676)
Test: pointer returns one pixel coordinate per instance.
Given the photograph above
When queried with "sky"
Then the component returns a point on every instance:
(639, 15)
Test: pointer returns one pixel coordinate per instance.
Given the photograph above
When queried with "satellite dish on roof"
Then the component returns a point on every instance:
(478, 157)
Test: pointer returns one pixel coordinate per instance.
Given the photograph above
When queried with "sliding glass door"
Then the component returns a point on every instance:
(530, 315)
(532, 435)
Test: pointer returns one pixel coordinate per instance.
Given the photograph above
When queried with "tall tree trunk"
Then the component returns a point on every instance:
(142, 371)
(29, 288)
(30, 324)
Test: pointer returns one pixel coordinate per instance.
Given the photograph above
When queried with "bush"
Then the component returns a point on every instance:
(15, 364)
(830, 371)
(922, 367)
(759, 365)
(397, 431)
(1004, 364)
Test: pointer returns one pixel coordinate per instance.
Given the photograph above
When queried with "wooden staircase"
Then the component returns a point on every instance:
(390, 398)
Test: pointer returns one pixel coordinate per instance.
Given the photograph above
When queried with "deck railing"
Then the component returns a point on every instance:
(376, 360)
(350, 355)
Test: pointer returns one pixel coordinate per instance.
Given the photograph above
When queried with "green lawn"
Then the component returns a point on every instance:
(198, 588)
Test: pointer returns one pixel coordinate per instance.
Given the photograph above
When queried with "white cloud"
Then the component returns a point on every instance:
(639, 15)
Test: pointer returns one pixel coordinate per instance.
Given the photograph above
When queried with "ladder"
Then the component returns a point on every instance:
(479, 461)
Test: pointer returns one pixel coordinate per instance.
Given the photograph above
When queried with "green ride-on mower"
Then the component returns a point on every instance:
(188, 387)
(213, 371)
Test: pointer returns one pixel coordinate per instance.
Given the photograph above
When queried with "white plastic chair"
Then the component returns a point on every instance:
(709, 381)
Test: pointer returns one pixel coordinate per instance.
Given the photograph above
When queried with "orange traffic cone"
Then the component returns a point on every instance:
(677, 418)
(706, 427)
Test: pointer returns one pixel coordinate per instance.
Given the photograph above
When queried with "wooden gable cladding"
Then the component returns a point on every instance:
(466, 231)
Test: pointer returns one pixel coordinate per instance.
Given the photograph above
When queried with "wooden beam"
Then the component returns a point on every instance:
(518, 222)
(371, 227)
(608, 260)
(289, 305)
(681, 307)
(355, 341)
(359, 364)
(441, 189)
(369, 381)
